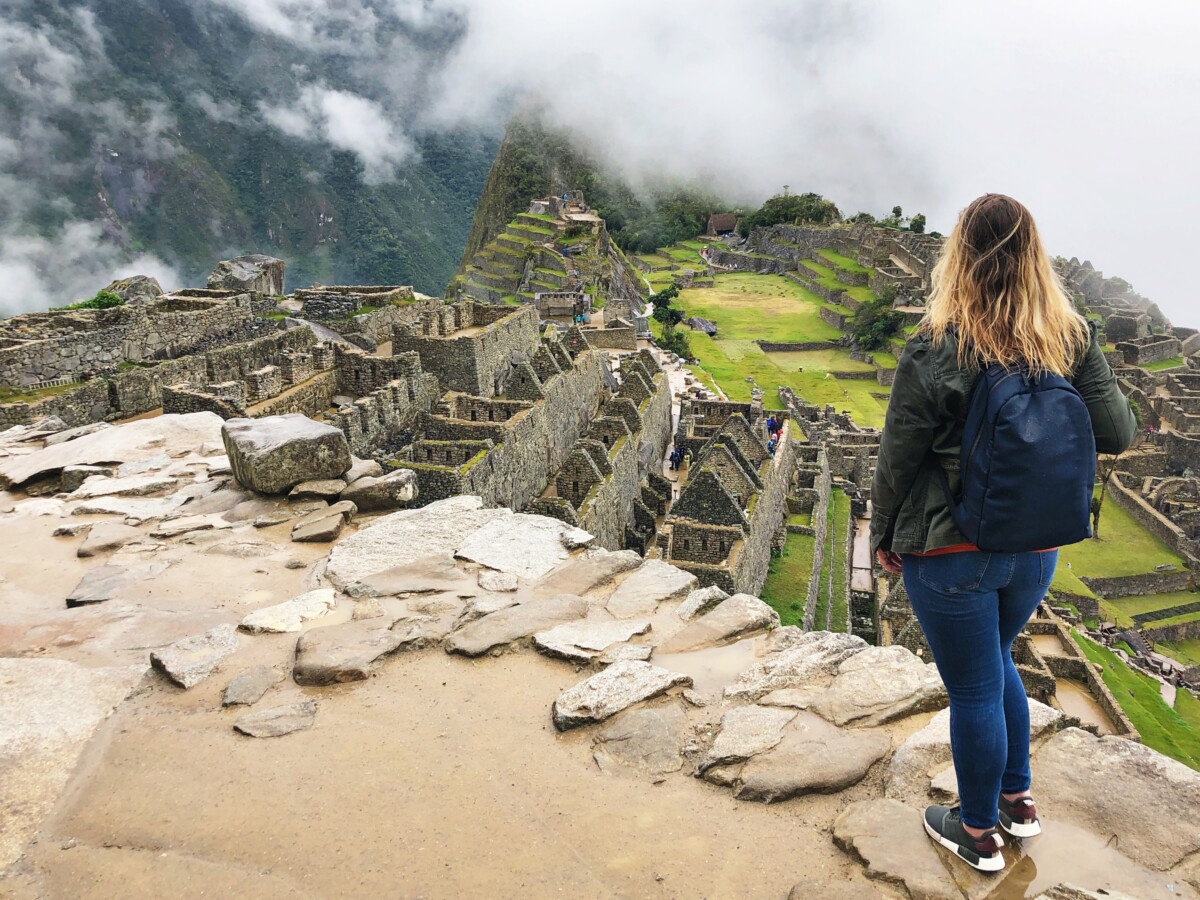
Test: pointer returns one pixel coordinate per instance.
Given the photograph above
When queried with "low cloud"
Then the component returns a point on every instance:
(346, 121)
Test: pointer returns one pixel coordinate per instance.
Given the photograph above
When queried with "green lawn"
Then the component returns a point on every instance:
(840, 602)
(828, 280)
(801, 518)
(1186, 652)
(1172, 363)
(12, 395)
(885, 360)
(1175, 732)
(1123, 610)
(844, 262)
(788, 578)
(1123, 548)
(771, 307)
(818, 360)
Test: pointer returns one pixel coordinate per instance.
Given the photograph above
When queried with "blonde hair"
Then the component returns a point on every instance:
(994, 287)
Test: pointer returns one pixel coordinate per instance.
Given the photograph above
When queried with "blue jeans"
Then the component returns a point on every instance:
(971, 607)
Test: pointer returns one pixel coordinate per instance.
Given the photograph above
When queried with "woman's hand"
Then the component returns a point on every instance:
(890, 561)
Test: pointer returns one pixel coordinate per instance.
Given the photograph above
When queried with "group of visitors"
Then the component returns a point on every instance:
(676, 458)
(774, 433)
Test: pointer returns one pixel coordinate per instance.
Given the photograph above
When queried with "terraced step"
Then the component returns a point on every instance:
(484, 293)
(514, 244)
(505, 283)
(529, 232)
(533, 221)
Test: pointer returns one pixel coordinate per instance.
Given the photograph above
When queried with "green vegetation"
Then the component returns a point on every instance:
(102, 300)
(1126, 548)
(875, 323)
(788, 578)
(771, 307)
(1174, 732)
(1172, 363)
(844, 262)
(838, 534)
(808, 208)
(1186, 652)
(1122, 610)
(14, 395)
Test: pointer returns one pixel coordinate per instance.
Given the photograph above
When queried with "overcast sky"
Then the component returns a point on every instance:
(1086, 110)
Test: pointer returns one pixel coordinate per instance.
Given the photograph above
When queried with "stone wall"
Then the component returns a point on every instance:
(1141, 585)
(1184, 631)
(50, 346)
(1152, 349)
(375, 419)
(766, 518)
(1150, 519)
(309, 398)
(182, 399)
(324, 304)
(529, 445)
(619, 338)
(468, 347)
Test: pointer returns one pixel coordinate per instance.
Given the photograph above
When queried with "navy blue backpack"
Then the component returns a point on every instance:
(1028, 464)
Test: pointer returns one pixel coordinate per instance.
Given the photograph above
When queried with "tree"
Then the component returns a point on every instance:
(897, 212)
(864, 218)
(917, 223)
(875, 323)
(666, 314)
(799, 209)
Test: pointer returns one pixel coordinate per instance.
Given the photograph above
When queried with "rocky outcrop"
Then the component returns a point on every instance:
(515, 623)
(384, 493)
(653, 583)
(251, 274)
(274, 454)
(736, 617)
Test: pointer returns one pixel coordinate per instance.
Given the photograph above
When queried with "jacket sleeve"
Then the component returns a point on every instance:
(1113, 421)
(908, 432)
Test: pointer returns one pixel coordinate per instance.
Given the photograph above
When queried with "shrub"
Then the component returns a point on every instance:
(874, 324)
(102, 300)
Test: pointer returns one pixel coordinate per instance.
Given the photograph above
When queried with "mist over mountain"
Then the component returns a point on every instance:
(353, 137)
(157, 135)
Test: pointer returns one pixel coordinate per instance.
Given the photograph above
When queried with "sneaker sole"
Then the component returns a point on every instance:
(1022, 831)
(984, 863)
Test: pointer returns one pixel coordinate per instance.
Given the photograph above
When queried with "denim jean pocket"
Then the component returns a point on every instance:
(953, 573)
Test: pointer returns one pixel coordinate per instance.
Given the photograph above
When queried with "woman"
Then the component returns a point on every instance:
(995, 300)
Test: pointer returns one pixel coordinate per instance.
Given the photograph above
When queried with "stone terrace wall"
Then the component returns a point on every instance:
(529, 445)
(610, 510)
(765, 519)
(474, 363)
(85, 342)
(1151, 519)
(310, 398)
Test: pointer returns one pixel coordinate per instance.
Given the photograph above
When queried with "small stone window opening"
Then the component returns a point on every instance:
(428, 453)
(474, 415)
(574, 487)
(687, 545)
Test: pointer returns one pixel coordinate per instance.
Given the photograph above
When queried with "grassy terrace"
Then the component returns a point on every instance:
(788, 577)
(1187, 652)
(1172, 363)
(844, 262)
(839, 602)
(10, 395)
(827, 279)
(1124, 548)
(771, 307)
(1175, 732)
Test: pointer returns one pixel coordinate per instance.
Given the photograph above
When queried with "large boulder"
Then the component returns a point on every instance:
(392, 491)
(136, 289)
(609, 692)
(255, 273)
(274, 454)
(733, 618)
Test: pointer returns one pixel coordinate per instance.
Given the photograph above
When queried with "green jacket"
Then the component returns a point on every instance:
(924, 427)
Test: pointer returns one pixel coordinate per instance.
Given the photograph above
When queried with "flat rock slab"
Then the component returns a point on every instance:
(699, 602)
(345, 653)
(890, 840)
(499, 582)
(324, 489)
(191, 660)
(809, 655)
(103, 583)
(813, 757)
(49, 709)
(104, 537)
(431, 575)
(585, 573)
(522, 545)
(250, 686)
(323, 525)
(609, 692)
(273, 454)
(188, 524)
(1114, 786)
(291, 615)
(130, 486)
(143, 509)
(745, 732)
(581, 642)
(880, 685)
(363, 468)
(171, 434)
(653, 582)
(404, 537)
(279, 720)
(731, 619)
(926, 751)
(644, 739)
(515, 623)
(385, 492)
(478, 607)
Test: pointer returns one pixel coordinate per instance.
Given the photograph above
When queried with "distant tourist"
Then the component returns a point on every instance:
(997, 325)
(771, 446)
